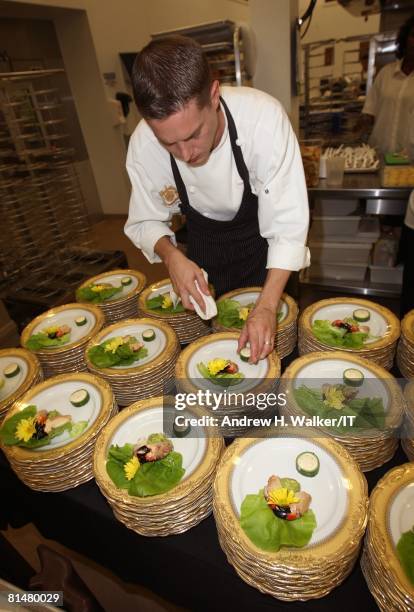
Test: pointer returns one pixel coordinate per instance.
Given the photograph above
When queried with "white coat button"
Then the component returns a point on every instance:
(192, 189)
(266, 191)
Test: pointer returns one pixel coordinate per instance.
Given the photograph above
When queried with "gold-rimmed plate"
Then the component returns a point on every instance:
(114, 277)
(160, 350)
(66, 315)
(159, 288)
(407, 327)
(383, 324)
(29, 372)
(54, 394)
(200, 451)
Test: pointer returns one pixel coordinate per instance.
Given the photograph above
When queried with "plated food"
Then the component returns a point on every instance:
(157, 484)
(235, 306)
(405, 350)
(350, 324)
(49, 434)
(279, 529)
(407, 434)
(58, 337)
(19, 370)
(388, 560)
(115, 292)
(136, 356)
(357, 402)
(156, 302)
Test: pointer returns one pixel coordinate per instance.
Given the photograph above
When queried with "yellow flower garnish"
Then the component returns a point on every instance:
(50, 330)
(25, 429)
(282, 497)
(216, 365)
(97, 288)
(131, 468)
(334, 398)
(244, 313)
(114, 344)
(166, 301)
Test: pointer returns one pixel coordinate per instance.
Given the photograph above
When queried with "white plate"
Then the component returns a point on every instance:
(155, 347)
(226, 349)
(248, 298)
(401, 513)
(12, 384)
(67, 317)
(377, 323)
(278, 456)
(160, 291)
(331, 370)
(150, 421)
(115, 280)
(57, 398)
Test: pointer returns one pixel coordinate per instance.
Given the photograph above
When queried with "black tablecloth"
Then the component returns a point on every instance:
(190, 569)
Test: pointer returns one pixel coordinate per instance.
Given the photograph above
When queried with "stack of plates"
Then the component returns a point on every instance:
(67, 357)
(147, 377)
(339, 502)
(384, 327)
(286, 328)
(29, 373)
(407, 436)
(188, 325)
(391, 515)
(184, 506)
(235, 401)
(405, 351)
(124, 304)
(66, 462)
(371, 447)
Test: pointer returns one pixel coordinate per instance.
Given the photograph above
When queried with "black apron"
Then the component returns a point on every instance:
(232, 252)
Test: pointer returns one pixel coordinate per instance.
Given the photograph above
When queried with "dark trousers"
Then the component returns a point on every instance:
(406, 256)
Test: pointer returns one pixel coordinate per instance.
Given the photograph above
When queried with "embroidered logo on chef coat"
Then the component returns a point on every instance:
(169, 195)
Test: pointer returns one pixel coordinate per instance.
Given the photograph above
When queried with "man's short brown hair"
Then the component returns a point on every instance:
(167, 74)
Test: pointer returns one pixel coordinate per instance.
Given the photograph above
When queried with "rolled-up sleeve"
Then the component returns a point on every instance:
(148, 217)
(283, 201)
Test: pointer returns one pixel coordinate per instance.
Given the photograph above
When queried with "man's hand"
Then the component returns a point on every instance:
(259, 331)
(183, 273)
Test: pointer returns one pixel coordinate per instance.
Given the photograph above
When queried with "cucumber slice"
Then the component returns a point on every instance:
(126, 280)
(80, 321)
(245, 354)
(361, 315)
(12, 370)
(181, 430)
(307, 464)
(79, 398)
(353, 377)
(148, 335)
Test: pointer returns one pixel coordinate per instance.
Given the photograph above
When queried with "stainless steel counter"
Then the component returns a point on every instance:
(359, 186)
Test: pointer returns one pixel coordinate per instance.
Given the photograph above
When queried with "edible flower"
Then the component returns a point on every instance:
(131, 468)
(281, 497)
(113, 345)
(244, 313)
(97, 288)
(51, 330)
(334, 397)
(217, 365)
(25, 429)
(166, 301)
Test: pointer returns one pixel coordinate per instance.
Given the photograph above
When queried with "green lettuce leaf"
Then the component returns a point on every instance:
(123, 356)
(77, 428)
(121, 453)
(41, 340)
(269, 532)
(85, 294)
(224, 379)
(405, 550)
(228, 314)
(155, 303)
(329, 334)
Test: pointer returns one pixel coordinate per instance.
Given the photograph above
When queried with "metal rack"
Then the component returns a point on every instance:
(223, 44)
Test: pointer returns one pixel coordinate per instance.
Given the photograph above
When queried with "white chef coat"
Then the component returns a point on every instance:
(272, 157)
(409, 215)
(391, 101)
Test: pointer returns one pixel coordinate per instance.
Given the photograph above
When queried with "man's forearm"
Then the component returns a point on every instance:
(164, 248)
(273, 288)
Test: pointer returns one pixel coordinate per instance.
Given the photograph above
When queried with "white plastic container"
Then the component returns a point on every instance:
(337, 271)
(324, 226)
(384, 274)
(337, 252)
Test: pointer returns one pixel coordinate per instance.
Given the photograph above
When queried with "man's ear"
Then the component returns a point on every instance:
(215, 94)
